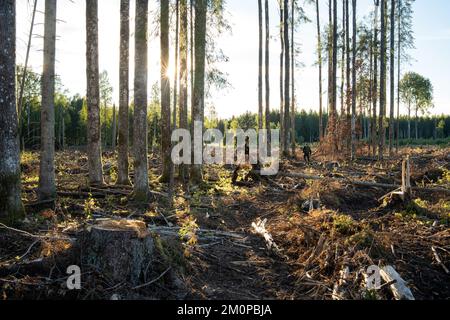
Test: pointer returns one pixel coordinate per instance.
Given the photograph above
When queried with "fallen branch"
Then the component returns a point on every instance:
(439, 261)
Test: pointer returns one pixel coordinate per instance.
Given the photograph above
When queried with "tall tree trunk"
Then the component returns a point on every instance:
(267, 65)
(392, 80)
(293, 77)
(375, 136)
(349, 98)
(175, 77)
(93, 94)
(123, 164)
(260, 65)
(192, 46)
(140, 128)
(354, 89)
(24, 75)
(199, 78)
(399, 56)
(47, 185)
(382, 135)
(165, 92)
(183, 108)
(287, 77)
(282, 124)
(344, 48)
(11, 207)
(319, 53)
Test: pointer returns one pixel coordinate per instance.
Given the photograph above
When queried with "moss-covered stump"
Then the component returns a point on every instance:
(121, 251)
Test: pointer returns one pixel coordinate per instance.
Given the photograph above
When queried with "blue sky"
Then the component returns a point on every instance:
(431, 56)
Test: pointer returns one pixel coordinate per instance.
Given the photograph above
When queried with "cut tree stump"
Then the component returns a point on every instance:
(121, 250)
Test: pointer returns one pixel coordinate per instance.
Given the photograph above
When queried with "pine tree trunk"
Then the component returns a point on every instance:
(183, 111)
(267, 65)
(392, 80)
(354, 89)
(319, 52)
(260, 65)
(47, 185)
(123, 162)
(382, 135)
(11, 207)
(165, 92)
(93, 94)
(199, 79)
(140, 136)
(349, 92)
(287, 78)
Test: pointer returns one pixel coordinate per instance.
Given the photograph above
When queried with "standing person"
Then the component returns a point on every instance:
(307, 152)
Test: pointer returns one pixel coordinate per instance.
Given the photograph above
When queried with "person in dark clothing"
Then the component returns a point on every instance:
(307, 154)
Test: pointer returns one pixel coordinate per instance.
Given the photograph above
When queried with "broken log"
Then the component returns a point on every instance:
(398, 287)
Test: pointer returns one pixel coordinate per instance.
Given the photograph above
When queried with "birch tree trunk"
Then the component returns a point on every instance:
(93, 94)
(47, 186)
(11, 207)
(199, 78)
(140, 136)
(165, 92)
(124, 95)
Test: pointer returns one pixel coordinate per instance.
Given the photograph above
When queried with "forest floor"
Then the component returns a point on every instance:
(216, 253)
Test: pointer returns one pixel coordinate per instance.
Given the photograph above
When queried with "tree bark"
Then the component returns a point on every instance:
(282, 146)
(123, 162)
(140, 136)
(93, 94)
(392, 80)
(319, 53)
(175, 77)
(47, 185)
(165, 92)
(375, 136)
(267, 65)
(382, 135)
(287, 78)
(293, 77)
(354, 89)
(11, 207)
(199, 77)
(260, 65)
(183, 112)
(399, 55)
(349, 91)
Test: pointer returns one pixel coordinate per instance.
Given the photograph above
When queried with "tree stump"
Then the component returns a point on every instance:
(120, 250)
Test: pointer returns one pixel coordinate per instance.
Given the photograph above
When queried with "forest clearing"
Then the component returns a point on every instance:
(185, 191)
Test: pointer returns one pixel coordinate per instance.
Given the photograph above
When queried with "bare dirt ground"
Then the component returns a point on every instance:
(215, 253)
